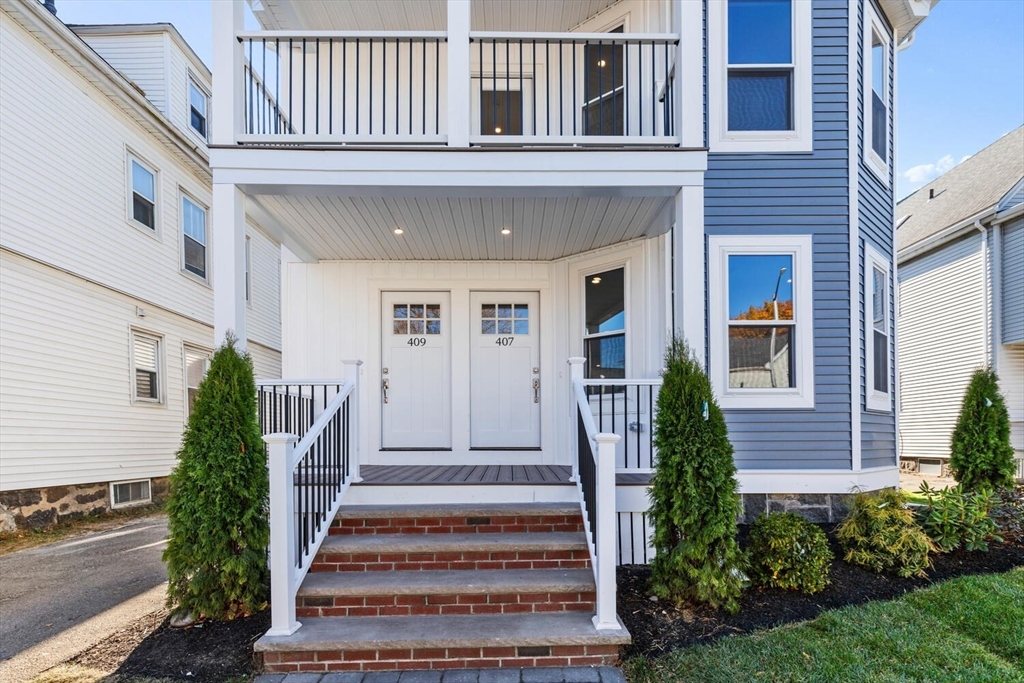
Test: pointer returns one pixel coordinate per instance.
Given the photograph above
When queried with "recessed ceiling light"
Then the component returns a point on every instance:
(497, 129)
(506, 231)
(398, 231)
(595, 281)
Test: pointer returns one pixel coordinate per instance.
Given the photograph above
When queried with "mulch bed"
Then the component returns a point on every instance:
(210, 652)
(658, 627)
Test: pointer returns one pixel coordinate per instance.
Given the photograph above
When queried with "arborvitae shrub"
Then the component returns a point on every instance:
(981, 455)
(217, 511)
(880, 533)
(787, 551)
(694, 504)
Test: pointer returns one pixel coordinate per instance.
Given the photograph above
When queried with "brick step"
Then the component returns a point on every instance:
(441, 642)
(404, 552)
(460, 519)
(408, 593)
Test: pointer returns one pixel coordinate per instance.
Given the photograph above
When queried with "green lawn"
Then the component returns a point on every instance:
(968, 629)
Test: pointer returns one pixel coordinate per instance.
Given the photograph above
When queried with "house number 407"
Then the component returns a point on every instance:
(504, 341)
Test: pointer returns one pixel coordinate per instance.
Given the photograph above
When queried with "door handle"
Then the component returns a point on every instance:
(536, 390)
(385, 385)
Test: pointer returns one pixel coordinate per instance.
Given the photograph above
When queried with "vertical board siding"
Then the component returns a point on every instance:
(875, 210)
(264, 313)
(942, 342)
(801, 194)
(140, 58)
(1013, 282)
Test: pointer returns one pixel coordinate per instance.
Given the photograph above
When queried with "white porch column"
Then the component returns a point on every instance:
(228, 242)
(282, 534)
(575, 375)
(228, 87)
(688, 244)
(352, 369)
(605, 517)
(458, 73)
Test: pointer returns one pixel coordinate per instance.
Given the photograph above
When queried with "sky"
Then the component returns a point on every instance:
(961, 84)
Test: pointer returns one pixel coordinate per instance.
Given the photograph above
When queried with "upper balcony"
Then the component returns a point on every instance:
(460, 74)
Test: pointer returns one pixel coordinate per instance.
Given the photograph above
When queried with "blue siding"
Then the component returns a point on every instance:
(875, 207)
(1013, 282)
(801, 194)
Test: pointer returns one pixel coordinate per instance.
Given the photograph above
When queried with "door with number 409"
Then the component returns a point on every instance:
(415, 386)
(506, 389)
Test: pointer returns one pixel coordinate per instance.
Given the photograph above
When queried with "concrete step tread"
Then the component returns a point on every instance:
(447, 582)
(438, 543)
(457, 510)
(485, 630)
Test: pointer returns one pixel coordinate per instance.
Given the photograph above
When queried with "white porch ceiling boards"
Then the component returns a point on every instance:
(361, 228)
(425, 15)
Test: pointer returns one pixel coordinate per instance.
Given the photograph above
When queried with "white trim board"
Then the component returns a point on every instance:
(454, 495)
(817, 481)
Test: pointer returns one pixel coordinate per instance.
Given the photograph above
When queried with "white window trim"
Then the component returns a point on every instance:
(876, 400)
(720, 138)
(800, 248)
(133, 503)
(153, 232)
(872, 24)
(196, 348)
(192, 80)
(248, 271)
(182, 195)
(161, 368)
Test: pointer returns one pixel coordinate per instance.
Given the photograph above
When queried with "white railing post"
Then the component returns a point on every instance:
(575, 375)
(352, 368)
(281, 448)
(458, 73)
(606, 618)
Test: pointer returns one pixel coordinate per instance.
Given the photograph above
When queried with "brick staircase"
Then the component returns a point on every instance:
(442, 587)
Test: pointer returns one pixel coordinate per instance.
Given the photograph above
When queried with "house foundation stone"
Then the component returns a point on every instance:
(820, 508)
(42, 507)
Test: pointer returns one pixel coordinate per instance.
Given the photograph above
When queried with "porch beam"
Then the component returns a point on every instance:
(228, 244)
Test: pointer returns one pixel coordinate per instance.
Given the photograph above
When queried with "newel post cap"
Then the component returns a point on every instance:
(280, 439)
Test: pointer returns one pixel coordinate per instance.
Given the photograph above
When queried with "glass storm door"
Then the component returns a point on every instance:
(505, 368)
(415, 389)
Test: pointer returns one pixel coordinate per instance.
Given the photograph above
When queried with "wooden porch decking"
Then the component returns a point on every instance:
(449, 475)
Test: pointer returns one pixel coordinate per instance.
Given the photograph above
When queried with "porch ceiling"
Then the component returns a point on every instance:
(447, 228)
(424, 15)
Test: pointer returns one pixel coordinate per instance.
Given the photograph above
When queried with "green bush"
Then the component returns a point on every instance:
(217, 511)
(694, 504)
(952, 518)
(787, 551)
(880, 533)
(981, 455)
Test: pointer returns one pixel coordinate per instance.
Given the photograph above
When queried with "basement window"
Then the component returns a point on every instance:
(127, 493)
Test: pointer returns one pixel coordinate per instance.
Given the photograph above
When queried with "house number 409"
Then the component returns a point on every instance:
(504, 341)
(417, 341)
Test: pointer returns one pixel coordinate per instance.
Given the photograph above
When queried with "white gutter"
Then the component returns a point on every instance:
(958, 229)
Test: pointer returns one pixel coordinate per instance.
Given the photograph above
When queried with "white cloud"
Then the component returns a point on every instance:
(925, 173)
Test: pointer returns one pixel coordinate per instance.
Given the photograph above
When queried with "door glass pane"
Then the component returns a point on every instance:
(522, 311)
(606, 301)
(417, 327)
(761, 357)
(416, 311)
(433, 310)
(760, 32)
(401, 311)
(504, 327)
(488, 311)
(603, 95)
(760, 100)
(400, 327)
(433, 327)
(501, 112)
(504, 310)
(606, 357)
(522, 327)
(760, 287)
(488, 327)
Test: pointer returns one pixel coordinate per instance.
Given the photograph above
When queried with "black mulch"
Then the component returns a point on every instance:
(658, 627)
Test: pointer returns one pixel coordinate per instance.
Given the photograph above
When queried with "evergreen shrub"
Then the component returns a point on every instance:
(787, 551)
(881, 534)
(981, 455)
(217, 511)
(694, 504)
(954, 518)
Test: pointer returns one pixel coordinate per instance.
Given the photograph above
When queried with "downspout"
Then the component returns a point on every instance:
(997, 293)
(987, 290)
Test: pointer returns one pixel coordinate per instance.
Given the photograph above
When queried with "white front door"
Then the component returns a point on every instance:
(505, 391)
(416, 370)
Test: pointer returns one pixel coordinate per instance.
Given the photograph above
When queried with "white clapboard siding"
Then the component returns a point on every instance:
(1013, 282)
(941, 342)
(66, 414)
(1011, 382)
(141, 58)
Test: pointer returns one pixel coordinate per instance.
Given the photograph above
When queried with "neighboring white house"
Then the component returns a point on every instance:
(961, 297)
(106, 261)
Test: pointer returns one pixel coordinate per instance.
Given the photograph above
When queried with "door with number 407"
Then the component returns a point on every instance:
(506, 389)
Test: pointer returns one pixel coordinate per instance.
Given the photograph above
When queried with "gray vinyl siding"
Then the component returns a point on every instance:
(875, 210)
(1013, 282)
(801, 194)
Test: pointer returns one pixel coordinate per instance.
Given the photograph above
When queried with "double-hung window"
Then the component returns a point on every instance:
(142, 184)
(193, 231)
(762, 348)
(197, 362)
(760, 92)
(197, 107)
(147, 368)
(604, 340)
(877, 71)
(877, 331)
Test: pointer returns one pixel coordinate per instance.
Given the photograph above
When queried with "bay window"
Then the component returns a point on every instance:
(877, 69)
(876, 332)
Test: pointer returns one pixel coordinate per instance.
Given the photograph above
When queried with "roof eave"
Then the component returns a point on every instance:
(906, 15)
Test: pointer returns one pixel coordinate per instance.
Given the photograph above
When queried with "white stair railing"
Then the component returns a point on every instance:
(594, 474)
(308, 479)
